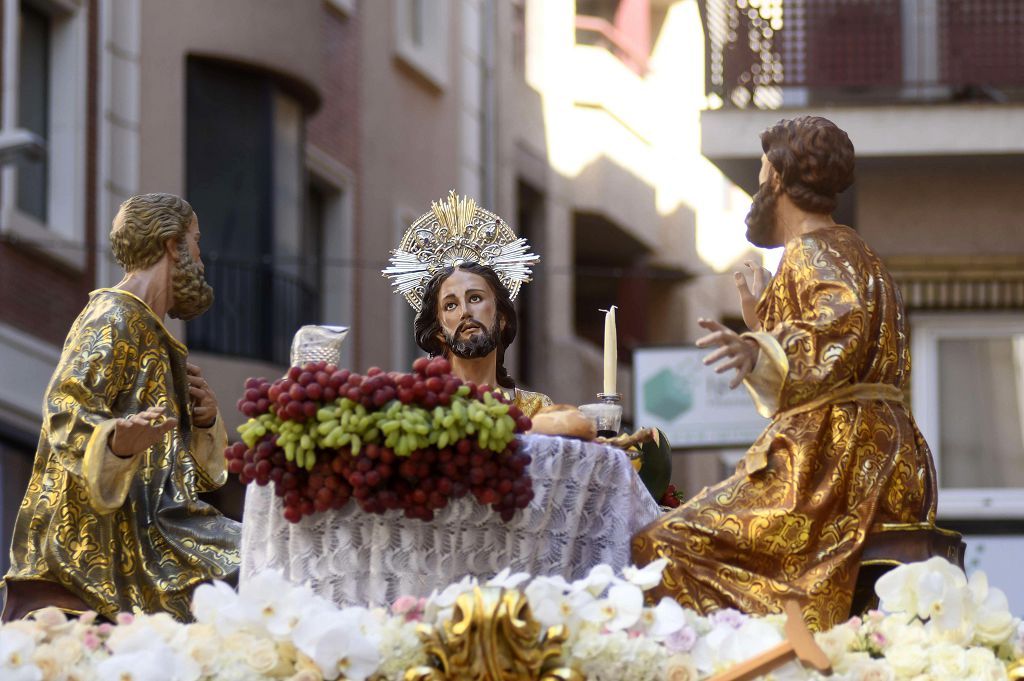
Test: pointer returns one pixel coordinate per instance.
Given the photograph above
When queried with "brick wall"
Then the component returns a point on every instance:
(38, 296)
(335, 128)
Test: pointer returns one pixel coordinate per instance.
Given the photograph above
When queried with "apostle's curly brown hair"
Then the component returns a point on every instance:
(142, 226)
(813, 158)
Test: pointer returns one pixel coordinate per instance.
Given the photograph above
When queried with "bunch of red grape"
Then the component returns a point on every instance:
(392, 441)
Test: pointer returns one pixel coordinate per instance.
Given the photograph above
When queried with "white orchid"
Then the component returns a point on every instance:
(269, 602)
(216, 604)
(952, 628)
(337, 644)
(621, 609)
(725, 646)
(16, 648)
(993, 623)
(508, 580)
(664, 619)
(551, 605)
(646, 577)
(897, 588)
(597, 580)
(141, 655)
(149, 638)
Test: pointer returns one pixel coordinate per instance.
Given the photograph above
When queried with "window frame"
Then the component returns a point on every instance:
(62, 237)
(337, 302)
(927, 330)
(429, 60)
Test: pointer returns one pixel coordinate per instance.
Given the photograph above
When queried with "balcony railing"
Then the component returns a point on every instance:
(771, 53)
(256, 311)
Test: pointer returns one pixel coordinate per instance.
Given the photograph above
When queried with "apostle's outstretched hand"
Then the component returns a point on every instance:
(734, 351)
(750, 292)
(138, 432)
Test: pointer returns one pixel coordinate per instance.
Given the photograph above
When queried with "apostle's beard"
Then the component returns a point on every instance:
(192, 295)
(476, 346)
(762, 217)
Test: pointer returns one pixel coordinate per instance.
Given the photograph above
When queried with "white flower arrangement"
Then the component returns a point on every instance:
(935, 624)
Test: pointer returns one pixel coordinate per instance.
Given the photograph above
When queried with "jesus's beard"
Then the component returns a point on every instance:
(476, 346)
(762, 217)
(192, 295)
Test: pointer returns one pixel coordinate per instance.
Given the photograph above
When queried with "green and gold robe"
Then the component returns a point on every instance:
(841, 458)
(123, 534)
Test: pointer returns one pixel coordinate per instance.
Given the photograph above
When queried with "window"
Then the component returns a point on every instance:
(16, 457)
(421, 38)
(968, 398)
(530, 343)
(33, 106)
(609, 267)
(245, 177)
(330, 188)
(44, 62)
(519, 29)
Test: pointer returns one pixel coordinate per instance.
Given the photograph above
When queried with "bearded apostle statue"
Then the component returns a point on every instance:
(131, 434)
(827, 359)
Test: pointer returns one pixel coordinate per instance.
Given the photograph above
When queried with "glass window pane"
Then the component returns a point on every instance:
(981, 410)
(33, 106)
(229, 180)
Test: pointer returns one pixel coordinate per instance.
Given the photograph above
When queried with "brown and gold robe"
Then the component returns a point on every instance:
(841, 457)
(123, 534)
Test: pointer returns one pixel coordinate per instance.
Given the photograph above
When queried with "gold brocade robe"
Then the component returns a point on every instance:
(841, 456)
(123, 533)
(530, 402)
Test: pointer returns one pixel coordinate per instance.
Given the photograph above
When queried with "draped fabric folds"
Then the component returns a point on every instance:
(123, 534)
(841, 456)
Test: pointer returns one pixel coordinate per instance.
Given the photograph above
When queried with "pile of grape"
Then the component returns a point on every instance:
(323, 435)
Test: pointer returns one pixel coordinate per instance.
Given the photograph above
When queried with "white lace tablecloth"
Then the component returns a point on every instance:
(588, 503)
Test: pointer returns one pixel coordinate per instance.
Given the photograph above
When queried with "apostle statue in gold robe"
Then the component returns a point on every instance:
(460, 267)
(827, 359)
(131, 434)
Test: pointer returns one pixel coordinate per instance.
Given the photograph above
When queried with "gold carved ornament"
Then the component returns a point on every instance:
(492, 636)
(453, 232)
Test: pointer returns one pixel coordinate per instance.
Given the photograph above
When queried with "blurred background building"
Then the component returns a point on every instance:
(619, 136)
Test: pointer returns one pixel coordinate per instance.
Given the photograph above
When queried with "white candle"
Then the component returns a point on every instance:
(611, 352)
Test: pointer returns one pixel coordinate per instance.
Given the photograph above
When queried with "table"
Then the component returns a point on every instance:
(588, 503)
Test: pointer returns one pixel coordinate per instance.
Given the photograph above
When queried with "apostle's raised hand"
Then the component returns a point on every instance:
(734, 351)
(750, 293)
(138, 432)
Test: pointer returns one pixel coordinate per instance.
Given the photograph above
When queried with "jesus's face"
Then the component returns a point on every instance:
(468, 313)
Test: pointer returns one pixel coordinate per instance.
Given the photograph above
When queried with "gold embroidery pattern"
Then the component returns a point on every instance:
(530, 403)
(155, 546)
(796, 528)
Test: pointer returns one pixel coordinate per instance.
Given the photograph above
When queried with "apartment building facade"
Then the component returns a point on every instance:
(932, 95)
(309, 135)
